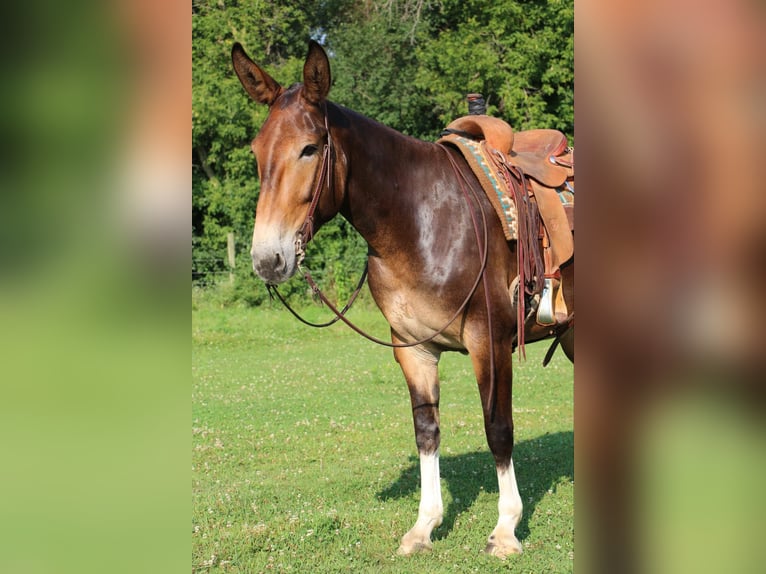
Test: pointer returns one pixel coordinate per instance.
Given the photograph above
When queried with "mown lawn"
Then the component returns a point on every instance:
(304, 458)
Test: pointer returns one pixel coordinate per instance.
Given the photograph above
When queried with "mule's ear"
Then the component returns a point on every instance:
(316, 74)
(261, 87)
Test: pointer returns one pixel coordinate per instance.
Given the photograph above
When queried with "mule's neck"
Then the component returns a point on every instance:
(389, 178)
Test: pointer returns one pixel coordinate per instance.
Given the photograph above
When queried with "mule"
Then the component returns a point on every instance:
(416, 204)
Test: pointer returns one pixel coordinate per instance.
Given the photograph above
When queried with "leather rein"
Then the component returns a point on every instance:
(306, 233)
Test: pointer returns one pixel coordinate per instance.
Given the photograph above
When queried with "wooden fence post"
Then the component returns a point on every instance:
(231, 254)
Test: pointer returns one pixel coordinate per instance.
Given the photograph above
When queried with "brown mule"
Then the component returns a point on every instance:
(406, 199)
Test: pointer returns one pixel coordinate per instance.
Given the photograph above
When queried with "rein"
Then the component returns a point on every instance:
(306, 233)
(272, 289)
(340, 314)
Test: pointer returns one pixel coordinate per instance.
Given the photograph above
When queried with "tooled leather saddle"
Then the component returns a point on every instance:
(529, 178)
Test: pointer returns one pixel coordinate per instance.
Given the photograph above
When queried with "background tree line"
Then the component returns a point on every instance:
(405, 63)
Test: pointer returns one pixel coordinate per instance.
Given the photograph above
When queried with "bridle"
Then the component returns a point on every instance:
(306, 233)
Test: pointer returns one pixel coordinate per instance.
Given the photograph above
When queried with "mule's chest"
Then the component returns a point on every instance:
(414, 310)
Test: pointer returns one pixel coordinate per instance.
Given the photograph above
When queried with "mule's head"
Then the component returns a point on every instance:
(289, 151)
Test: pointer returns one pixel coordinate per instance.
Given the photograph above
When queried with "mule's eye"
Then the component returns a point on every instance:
(309, 150)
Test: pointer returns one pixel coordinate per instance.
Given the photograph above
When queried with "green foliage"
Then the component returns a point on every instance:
(405, 63)
(518, 54)
(224, 120)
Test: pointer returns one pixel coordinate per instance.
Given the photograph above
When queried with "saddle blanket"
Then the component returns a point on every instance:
(486, 171)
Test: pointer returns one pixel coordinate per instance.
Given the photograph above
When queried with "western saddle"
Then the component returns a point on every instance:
(529, 178)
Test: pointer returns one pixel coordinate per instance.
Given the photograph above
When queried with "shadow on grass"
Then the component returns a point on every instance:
(540, 463)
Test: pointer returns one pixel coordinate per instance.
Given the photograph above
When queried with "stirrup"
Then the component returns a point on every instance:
(545, 313)
(553, 308)
(530, 302)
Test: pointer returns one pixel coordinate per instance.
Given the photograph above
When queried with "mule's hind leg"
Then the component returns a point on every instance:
(498, 426)
(420, 368)
(503, 541)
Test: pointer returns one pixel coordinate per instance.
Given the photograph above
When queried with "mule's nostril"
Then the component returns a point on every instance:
(279, 261)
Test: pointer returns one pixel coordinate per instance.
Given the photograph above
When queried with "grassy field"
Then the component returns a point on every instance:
(304, 458)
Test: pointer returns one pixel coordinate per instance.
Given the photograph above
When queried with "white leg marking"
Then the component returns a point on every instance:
(509, 505)
(431, 510)
(503, 541)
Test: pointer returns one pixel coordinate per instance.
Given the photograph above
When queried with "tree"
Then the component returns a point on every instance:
(224, 120)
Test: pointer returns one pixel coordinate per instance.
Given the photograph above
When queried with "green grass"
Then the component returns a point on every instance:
(304, 458)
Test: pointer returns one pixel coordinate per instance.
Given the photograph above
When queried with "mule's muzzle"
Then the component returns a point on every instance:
(273, 263)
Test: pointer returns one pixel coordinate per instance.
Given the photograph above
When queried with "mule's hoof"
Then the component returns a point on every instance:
(414, 548)
(503, 551)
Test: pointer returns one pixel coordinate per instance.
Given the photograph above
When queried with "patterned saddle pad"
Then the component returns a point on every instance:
(477, 154)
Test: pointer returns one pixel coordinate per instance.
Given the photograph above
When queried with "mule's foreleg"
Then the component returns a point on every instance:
(498, 425)
(420, 368)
